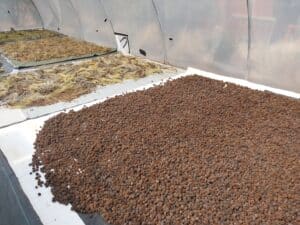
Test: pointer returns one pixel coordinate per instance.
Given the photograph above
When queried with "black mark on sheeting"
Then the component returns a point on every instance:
(105, 20)
(8, 11)
(121, 34)
(126, 41)
(143, 52)
(171, 39)
(123, 38)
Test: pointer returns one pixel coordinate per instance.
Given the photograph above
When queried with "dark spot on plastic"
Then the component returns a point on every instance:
(8, 11)
(58, 28)
(39, 194)
(105, 20)
(143, 52)
(97, 30)
(171, 39)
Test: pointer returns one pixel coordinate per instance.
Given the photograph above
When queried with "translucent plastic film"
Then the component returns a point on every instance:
(207, 34)
(68, 19)
(275, 45)
(95, 25)
(139, 21)
(82, 19)
(16, 14)
(48, 14)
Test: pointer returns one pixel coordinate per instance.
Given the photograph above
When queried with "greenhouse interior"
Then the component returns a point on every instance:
(134, 112)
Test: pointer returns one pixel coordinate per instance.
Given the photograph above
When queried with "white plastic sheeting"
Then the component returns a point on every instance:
(95, 25)
(275, 46)
(69, 21)
(49, 16)
(251, 39)
(64, 18)
(207, 34)
(82, 19)
(18, 14)
(139, 21)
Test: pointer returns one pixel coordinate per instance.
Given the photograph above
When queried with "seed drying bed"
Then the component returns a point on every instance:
(194, 151)
(51, 49)
(66, 82)
(23, 35)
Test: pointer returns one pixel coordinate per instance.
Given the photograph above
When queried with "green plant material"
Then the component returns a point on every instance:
(50, 48)
(23, 35)
(66, 82)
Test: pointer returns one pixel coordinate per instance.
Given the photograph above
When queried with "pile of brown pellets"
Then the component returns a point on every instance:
(193, 151)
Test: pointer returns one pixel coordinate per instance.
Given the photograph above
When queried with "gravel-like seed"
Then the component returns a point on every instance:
(194, 151)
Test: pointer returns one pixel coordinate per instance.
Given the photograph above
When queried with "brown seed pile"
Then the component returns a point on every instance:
(194, 151)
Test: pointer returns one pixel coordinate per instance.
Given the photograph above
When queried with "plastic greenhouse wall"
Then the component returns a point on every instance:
(250, 39)
(206, 34)
(139, 21)
(19, 15)
(275, 43)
